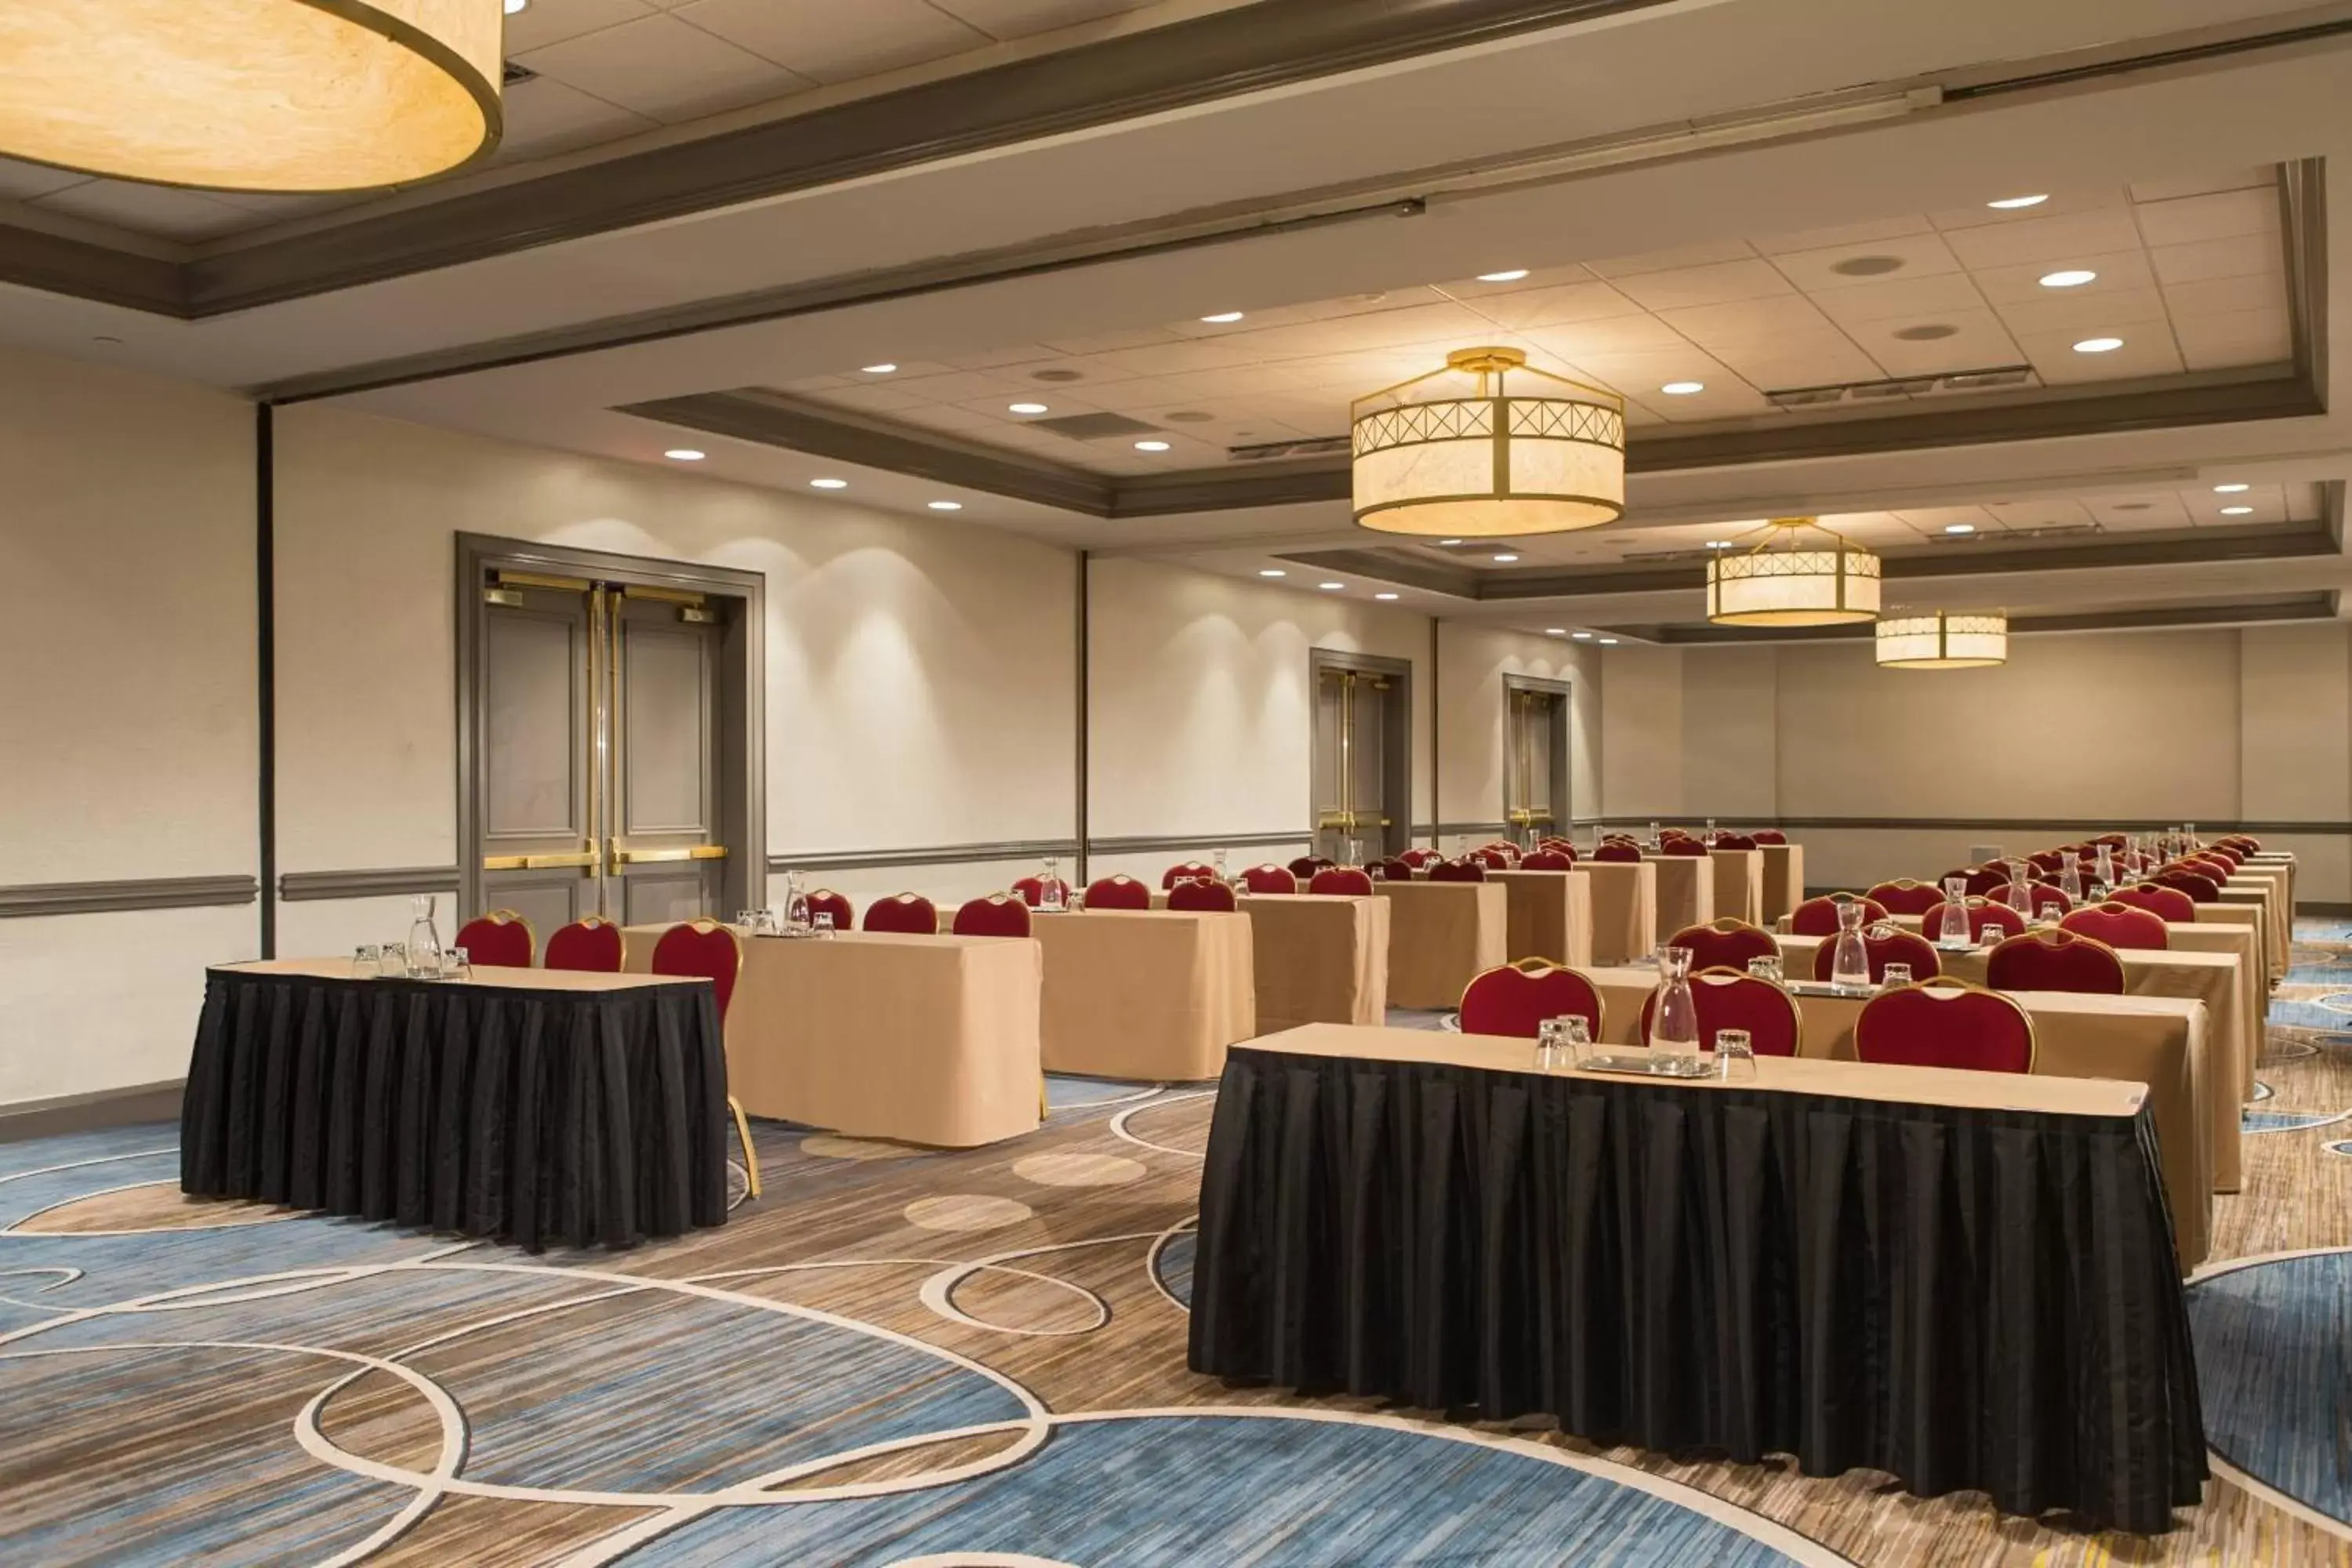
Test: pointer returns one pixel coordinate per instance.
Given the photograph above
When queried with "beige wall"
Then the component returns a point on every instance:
(126, 541)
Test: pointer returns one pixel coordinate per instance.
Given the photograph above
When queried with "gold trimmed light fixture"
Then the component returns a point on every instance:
(253, 95)
(1456, 452)
(1943, 641)
(1798, 574)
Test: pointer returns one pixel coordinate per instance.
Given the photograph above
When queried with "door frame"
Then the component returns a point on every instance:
(1396, 767)
(742, 706)
(1564, 781)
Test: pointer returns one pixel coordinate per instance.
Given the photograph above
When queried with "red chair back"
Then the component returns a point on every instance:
(826, 902)
(2212, 866)
(1031, 891)
(2049, 862)
(1466, 870)
(1203, 899)
(1190, 871)
(1344, 882)
(1549, 860)
(1559, 846)
(2120, 926)
(1397, 871)
(1120, 892)
(1947, 1025)
(1269, 879)
(1771, 836)
(1617, 851)
(1818, 917)
(1735, 841)
(2038, 895)
(589, 946)
(2164, 904)
(1420, 857)
(1681, 846)
(995, 915)
(1983, 915)
(1906, 897)
(1516, 998)
(500, 938)
(2200, 890)
(908, 914)
(1728, 999)
(1896, 947)
(1305, 865)
(2055, 961)
(1981, 879)
(1492, 859)
(706, 949)
(1726, 943)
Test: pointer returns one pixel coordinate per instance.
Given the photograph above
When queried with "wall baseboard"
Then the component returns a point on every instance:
(91, 1112)
(33, 899)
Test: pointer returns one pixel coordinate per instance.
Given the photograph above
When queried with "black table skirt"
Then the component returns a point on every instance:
(1966, 1299)
(529, 1116)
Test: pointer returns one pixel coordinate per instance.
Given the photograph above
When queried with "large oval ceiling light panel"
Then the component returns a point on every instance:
(253, 95)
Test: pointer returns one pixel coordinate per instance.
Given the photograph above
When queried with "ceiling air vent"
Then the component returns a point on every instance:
(1312, 446)
(1805, 397)
(1870, 389)
(1989, 380)
(1093, 426)
(516, 75)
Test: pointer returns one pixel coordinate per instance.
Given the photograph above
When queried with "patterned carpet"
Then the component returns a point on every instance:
(906, 1359)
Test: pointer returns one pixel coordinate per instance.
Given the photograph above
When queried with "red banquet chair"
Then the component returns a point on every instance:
(1726, 943)
(2201, 889)
(826, 902)
(1771, 835)
(1399, 870)
(907, 914)
(1420, 857)
(709, 951)
(1518, 997)
(1735, 841)
(1983, 915)
(1818, 917)
(2055, 961)
(2121, 926)
(1946, 1024)
(1681, 846)
(2049, 863)
(1120, 892)
(2038, 895)
(1981, 879)
(1269, 879)
(1343, 881)
(2164, 904)
(1552, 841)
(1031, 891)
(1730, 999)
(1203, 899)
(1549, 860)
(2212, 866)
(1895, 947)
(1906, 897)
(995, 915)
(589, 945)
(1463, 871)
(1305, 865)
(1190, 871)
(501, 939)
(1492, 859)
(1616, 850)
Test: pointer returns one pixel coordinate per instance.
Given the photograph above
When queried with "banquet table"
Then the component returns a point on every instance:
(1547, 914)
(1739, 884)
(2162, 1042)
(2210, 978)
(1318, 958)
(1625, 908)
(2263, 895)
(1686, 891)
(1784, 881)
(921, 1039)
(1153, 995)
(527, 1105)
(1964, 1279)
(1440, 935)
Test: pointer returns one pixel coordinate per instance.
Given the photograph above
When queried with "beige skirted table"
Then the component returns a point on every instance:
(1441, 934)
(1548, 914)
(1318, 958)
(2161, 1041)
(1625, 908)
(1686, 891)
(1153, 995)
(2269, 894)
(920, 1039)
(1739, 884)
(1784, 880)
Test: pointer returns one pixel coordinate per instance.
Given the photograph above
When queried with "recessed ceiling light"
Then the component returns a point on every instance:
(2071, 278)
(516, 6)
(878, 369)
(1151, 445)
(684, 455)
(1504, 560)
(828, 484)
(1271, 571)
(1222, 318)
(1449, 541)
(1327, 587)
(1960, 527)
(2098, 345)
(2231, 489)
(1026, 407)
(1555, 631)
(946, 505)
(1384, 595)
(1683, 388)
(1718, 544)
(1579, 637)
(2010, 204)
(1607, 642)
(1513, 276)
(2237, 511)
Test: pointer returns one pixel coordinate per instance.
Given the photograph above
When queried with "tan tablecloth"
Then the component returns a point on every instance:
(2160, 1041)
(1625, 908)
(1686, 891)
(2211, 978)
(1318, 958)
(1784, 881)
(1441, 934)
(1153, 995)
(1739, 884)
(2280, 860)
(2262, 893)
(1548, 915)
(921, 1039)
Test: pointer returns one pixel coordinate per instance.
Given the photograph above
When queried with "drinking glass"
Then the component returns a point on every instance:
(1379, 872)
(1654, 836)
(1710, 839)
(1767, 968)
(367, 960)
(1995, 932)
(2052, 914)
(1076, 901)
(1551, 1045)
(748, 921)
(456, 964)
(823, 923)
(1895, 974)
(1576, 1036)
(393, 961)
(1735, 1057)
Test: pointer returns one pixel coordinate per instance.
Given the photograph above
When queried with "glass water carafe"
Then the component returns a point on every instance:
(1218, 861)
(2021, 887)
(1673, 1027)
(1051, 890)
(1850, 962)
(2070, 879)
(2104, 875)
(1954, 928)
(424, 941)
(797, 904)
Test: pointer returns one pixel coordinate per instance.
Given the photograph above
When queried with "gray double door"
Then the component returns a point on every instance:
(599, 751)
(1535, 759)
(1360, 761)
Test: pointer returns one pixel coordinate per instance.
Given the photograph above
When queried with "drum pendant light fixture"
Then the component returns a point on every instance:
(1462, 453)
(1798, 574)
(253, 95)
(1943, 641)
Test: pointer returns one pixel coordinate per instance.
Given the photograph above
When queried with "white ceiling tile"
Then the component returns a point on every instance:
(2117, 269)
(2058, 240)
(2153, 510)
(2082, 313)
(1641, 375)
(2216, 296)
(1537, 278)
(1849, 238)
(828, 41)
(1708, 285)
(1585, 302)
(1780, 365)
(1105, 343)
(2235, 338)
(1917, 256)
(545, 22)
(1900, 299)
(1442, 320)
(663, 69)
(875, 397)
(959, 385)
(162, 211)
(545, 117)
(2199, 184)
(1979, 342)
(1935, 520)
(1672, 260)
(22, 181)
(1012, 354)
(2192, 218)
(2240, 256)
(1020, 18)
(2145, 353)
(1169, 358)
(2063, 202)
(1619, 335)
(1745, 321)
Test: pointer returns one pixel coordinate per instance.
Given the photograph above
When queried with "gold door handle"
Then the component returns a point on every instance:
(656, 856)
(536, 862)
